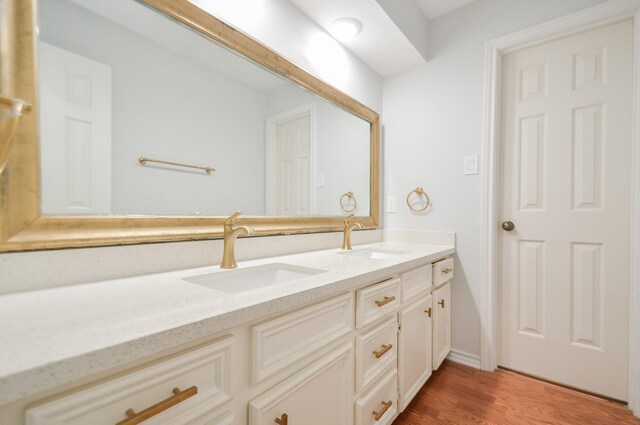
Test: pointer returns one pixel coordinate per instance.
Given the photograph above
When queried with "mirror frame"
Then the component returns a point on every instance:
(23, 227)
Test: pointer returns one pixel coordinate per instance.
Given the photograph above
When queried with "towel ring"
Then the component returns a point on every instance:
(348, 195)
(419, 193)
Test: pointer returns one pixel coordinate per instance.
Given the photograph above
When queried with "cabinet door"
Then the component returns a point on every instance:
(414, 365)
(441, 324)
(320, 394)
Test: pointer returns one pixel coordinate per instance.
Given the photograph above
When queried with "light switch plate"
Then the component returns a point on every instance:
(471, 164)
(391, 204)
(320, 180)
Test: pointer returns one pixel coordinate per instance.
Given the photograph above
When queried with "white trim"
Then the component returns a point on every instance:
(464, 358)
(634, 298)
(604, 14)
(270, 170)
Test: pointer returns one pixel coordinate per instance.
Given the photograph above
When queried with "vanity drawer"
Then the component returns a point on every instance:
(225, 419)
(202, 375)
(379, 406)
(376, 301)
(416, 283)
(376, 351)
(279, 343)
(442, 271)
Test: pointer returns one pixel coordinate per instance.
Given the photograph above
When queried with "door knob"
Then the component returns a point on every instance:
(508, 226)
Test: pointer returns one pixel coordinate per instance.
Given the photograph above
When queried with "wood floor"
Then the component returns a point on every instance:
(458, 394)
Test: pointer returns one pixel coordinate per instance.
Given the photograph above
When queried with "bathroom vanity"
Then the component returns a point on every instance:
(324, 337)
(342, 337)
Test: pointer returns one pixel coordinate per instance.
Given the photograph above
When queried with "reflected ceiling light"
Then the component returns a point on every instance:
(328, 59)
(345, 29)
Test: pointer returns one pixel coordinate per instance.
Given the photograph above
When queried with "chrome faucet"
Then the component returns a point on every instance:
(231, 233)
(348, 228)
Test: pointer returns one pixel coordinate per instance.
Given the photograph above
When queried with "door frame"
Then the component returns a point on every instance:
(601, 15)
(272, 124)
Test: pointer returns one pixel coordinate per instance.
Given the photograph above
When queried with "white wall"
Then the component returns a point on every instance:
(411, 21)
(432, 118)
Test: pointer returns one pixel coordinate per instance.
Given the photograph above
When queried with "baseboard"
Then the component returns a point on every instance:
(466, 359)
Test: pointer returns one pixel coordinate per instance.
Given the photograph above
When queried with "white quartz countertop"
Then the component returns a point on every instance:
(53, 337)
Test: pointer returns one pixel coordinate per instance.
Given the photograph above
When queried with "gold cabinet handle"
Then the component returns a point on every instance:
(428, 311)
(381, 352)
(441, 302)
(385, 406)
(385, 301)
(283, 419)
(178, 396)
(447, 271)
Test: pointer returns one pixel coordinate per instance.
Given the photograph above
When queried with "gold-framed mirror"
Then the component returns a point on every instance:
(24, 226)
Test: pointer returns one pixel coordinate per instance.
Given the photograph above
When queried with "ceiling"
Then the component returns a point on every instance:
(434, 8)
(382, 44)
(183, 41)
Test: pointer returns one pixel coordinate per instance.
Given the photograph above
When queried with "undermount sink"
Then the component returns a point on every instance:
(250, 278)
(374, 253)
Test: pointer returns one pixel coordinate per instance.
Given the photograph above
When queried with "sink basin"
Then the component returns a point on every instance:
(374, 253)
(250, 278)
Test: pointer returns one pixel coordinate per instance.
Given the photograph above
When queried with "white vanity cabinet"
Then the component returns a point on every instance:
(355, 358)
(278, 343)
(320, 394)
(378, 405)
(414, 340)
(441, 324)
(186, 389)
(377, 301)
(442, 274)
(414, 362)
(377, 352)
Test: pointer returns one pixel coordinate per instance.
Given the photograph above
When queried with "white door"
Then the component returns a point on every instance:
(566, 126)
(293, 162)
(75, 133)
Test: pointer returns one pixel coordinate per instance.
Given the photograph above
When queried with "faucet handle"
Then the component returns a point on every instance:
(229, 221)
(347, 221)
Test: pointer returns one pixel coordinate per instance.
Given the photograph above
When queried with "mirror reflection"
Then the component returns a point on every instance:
(119, 81)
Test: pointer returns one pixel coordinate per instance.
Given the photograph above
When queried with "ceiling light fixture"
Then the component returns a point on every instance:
(345, 29)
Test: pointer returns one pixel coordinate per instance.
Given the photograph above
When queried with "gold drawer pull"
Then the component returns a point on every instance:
(385, 301)
(378, 415)
(283, 419)
(446, 271)
(385, 348)
(441, 302)
(428, 311)
(178, 396)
